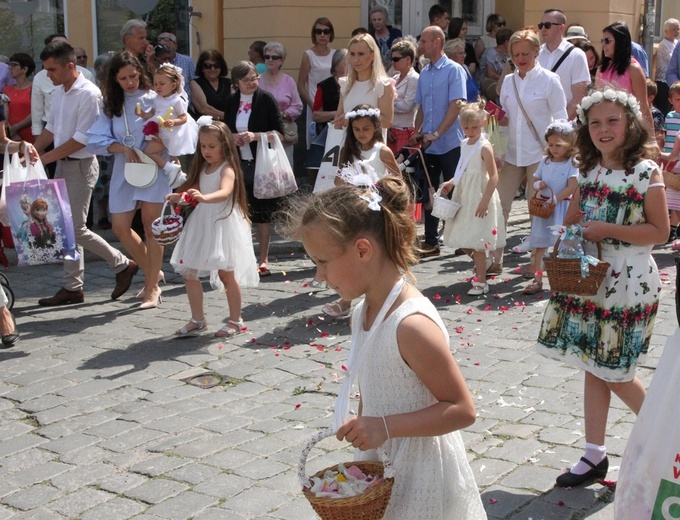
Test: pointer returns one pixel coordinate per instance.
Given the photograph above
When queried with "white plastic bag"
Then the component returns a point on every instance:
(274, 176)
(15, 171)
(328, 170)
(649, 481)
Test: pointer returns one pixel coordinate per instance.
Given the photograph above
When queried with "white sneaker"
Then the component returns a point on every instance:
(522, 247)
(478, 289)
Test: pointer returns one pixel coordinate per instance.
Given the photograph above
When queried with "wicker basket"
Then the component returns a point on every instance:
(564, 274)
(443, 207)
(370, 505)
(166, 228)
(671, 180)
(542, 208)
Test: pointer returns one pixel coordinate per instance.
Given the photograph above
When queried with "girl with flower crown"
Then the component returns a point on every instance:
(176, 128)
(619, 203)
(366, 154)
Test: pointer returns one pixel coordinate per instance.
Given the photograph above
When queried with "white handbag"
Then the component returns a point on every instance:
(144, 173)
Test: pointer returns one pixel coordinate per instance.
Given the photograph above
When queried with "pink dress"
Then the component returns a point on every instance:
(611, 78)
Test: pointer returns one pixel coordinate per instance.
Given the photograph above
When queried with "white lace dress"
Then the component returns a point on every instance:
(182, 139)
(433, 480)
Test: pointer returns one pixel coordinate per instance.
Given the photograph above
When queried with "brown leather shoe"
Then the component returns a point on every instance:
(63, 297)
(124, 280)
(428, 250)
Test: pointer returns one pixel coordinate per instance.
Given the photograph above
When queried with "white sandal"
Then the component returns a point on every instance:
(232, 328)
(478, 289)
(184, 329)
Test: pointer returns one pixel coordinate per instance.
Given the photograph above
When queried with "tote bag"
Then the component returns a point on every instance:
(274, 176)
(15, 171)
(325, 179)
(41, 221)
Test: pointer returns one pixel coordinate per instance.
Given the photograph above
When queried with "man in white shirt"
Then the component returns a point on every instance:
(573, 69)
(41, 92)
(75, 108)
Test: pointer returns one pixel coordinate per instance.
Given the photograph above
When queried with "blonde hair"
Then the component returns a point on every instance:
(377, 72)
(172, 73)
(528, 35)
(471, 112)
(345, 216)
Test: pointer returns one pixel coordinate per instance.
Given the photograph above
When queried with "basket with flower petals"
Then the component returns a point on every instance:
(166, 228)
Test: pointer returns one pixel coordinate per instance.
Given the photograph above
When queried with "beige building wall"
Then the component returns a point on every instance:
(79, 18)
(277, 20)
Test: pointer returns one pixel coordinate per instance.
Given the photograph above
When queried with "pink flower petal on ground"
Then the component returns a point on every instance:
(252, 340)
(304, 285)
(220, 346)
(344, 367)
(458, 298)
(504, 308)
(338, 349)
(560, 503)
(539, 273)
(447, 300)
(437, 297)
(325, 334)
(287, 282)
(517, 271)
(506, 280)
(492, 501)
(487, 308)
(475, 279)
(496, 296)
(459, 329)
(477, 363)
(286, 347)
(277, 354)
(469, 311)
(494, 231)
(310, 322)
(297, 406)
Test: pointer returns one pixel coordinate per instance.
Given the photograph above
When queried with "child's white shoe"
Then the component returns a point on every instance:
(478, 289)
(176, 177)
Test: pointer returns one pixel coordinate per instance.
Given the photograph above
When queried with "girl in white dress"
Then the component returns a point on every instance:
(216, 239)
(478, 227)
(413, 396)
(365, 152)
(557, 172)
(177, 129)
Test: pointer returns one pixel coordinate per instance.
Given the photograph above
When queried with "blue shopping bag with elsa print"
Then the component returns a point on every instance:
(41, 222)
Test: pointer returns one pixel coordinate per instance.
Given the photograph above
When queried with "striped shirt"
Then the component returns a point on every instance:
(672, 126)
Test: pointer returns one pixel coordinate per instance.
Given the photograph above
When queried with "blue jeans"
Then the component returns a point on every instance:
(439, 166)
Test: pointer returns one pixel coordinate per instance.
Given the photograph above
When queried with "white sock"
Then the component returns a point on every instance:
(594, 454)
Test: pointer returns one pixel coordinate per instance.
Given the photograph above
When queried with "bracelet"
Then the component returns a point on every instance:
(386, 430)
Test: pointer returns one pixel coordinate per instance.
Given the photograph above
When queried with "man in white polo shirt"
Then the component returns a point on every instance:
(75, 107)
(562, 58)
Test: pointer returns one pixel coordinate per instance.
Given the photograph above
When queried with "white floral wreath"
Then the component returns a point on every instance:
(608, 94)
(363, 112)
(561, 126)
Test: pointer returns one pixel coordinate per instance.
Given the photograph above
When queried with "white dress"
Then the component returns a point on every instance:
(556, 175)
(364, 93)
(372, 158)
(466, 230)
(433, 479)
(182, 139)
(216, 236)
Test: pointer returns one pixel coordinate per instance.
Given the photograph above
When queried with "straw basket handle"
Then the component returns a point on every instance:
(557, 246)
(329, 432)
(552, 193)
(165, 205)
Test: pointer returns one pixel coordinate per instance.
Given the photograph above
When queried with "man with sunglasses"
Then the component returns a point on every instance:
(561, 57)
(182, 61)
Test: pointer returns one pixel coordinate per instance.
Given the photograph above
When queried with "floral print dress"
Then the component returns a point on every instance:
(607, 334)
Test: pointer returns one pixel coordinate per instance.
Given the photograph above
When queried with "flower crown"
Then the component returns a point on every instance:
(364, 176)
(608, 94)
(560, 126)
(363, 112)
(206, 121)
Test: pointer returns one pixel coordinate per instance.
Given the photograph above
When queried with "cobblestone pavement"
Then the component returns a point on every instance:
(98, 422)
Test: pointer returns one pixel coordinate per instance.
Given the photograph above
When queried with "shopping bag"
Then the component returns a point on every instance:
(274, 176)
(335, 140)
(16, 171)
(41, 221)
(497, 138)
(649, 481)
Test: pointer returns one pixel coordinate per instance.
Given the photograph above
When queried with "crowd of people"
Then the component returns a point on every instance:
(571, 128)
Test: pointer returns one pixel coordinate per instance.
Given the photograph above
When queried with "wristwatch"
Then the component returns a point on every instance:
(435, 134)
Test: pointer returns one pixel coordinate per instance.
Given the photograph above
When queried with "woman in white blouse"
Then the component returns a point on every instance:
(671, 30)
(542, 100)
(403, 124)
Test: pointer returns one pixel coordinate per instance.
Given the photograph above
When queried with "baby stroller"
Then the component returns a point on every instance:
(415, 172)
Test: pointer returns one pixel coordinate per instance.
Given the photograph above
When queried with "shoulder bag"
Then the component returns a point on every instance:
(144, 173)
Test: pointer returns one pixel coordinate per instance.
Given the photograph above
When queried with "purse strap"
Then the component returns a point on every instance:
(531, 125)
(127, 131)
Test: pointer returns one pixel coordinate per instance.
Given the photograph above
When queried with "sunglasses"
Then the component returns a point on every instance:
(606, 41)
(500, 24)
(250, 80)
(81, 57)
(211, 66)
(322, 31)
(271, 57)
(396, 59)
(548, 25)
(167, 39)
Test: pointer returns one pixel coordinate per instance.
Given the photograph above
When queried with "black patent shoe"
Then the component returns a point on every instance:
(10, 339)
(570, 479)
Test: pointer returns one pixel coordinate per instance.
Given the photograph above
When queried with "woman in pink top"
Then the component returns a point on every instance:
(284, 89)
(620, 69)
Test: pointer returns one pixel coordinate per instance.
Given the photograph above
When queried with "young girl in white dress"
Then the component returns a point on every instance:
(414, 398)
(177, 129)
(557, 172)
(216, 238)
(364, 151)
(478, 226)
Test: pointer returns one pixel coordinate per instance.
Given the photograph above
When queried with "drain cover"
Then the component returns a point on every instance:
(205, 380)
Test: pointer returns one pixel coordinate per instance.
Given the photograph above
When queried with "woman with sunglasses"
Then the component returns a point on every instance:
(486, 41)
(249, 113)
(403, 56)
(284, 90)
(210, 89)
(315, 67)
(618, 68)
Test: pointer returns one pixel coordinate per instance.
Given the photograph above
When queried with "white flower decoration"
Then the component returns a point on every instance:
(622, 97)
(586, 102)
(609, 94)
(363, 113)
(596, 97)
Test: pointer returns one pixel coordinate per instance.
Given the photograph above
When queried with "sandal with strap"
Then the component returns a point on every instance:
(335, 310)
(533, 288)
(199, 326)
(232, 328)
(478, 289)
